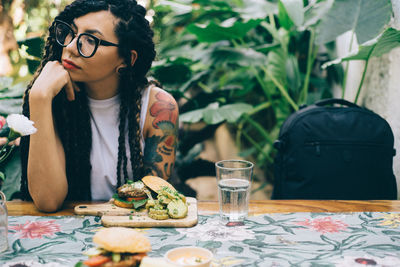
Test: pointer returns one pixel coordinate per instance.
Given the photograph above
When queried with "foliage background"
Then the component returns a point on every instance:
(245, 63)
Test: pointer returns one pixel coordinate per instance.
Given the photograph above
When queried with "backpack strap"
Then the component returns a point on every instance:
(339, 101)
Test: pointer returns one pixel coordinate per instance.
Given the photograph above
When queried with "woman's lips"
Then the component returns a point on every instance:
(69, 65)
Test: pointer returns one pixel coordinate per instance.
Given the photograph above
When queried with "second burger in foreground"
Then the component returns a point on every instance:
(117, 247)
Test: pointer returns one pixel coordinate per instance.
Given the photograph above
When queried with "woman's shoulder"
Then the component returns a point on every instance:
(162, 111)
(159, 95)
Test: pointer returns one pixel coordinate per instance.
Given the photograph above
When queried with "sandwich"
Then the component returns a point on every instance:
(169, 203)
(117, 247)
(132, 195)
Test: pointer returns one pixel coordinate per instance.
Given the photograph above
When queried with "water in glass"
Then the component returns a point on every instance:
(233, 197)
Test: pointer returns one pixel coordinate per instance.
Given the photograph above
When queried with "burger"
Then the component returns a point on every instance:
(117, 247)
(132, 195)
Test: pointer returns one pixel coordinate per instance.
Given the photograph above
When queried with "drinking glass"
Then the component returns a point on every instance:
(3, 223)
(234, 184)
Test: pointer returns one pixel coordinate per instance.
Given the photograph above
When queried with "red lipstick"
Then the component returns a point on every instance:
(69, 65)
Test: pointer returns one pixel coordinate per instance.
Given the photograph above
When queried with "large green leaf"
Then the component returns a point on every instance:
(5, 83)
(240, 81)
(281, 36)
(13, 91)
(277, 64)
(231, 113)
(265, 48)
(240, 56)
(283, 17)
(172, 71)
(193, 80)
(256, 9)
(294, 9)
(214, 114)
(383, 44)
(213, 33)
(293, 73)
(192, 116)
(13, 105)
(206, 10)
(186, 51)
(178, 8)
(366, 18)
(315, 11)
(11, 96)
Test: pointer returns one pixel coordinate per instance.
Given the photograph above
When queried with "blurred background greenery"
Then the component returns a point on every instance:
(241, 64)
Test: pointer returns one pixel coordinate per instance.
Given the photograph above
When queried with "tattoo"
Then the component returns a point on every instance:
(151, 157)
(168, 171)
(165, 150)
(165, 114)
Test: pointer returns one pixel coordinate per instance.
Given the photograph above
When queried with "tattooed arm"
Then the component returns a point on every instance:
(160, 133)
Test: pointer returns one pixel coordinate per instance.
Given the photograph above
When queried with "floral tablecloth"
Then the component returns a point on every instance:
(292, 239)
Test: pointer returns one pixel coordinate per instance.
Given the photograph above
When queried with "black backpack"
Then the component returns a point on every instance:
(331, 152)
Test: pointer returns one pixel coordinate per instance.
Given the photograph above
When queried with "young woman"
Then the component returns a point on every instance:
(99, 120)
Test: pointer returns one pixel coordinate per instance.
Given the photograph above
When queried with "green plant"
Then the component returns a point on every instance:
(377, 47)
(252, 63)
(10, 169)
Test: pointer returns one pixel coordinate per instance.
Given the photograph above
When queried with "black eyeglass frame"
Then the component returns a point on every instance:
(97, 40)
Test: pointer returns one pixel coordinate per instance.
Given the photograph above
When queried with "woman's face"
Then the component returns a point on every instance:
(102, 66)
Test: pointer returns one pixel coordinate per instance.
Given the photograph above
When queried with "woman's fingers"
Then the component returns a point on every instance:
(3, 140)
(70, 90)
(17, 141)
(76, 87)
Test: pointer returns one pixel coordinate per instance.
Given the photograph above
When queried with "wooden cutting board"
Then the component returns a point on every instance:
(112, 215)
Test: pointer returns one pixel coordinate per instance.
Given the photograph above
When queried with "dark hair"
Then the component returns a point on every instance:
(72, 118)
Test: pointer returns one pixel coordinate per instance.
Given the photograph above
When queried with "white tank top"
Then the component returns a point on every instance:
(104, 121)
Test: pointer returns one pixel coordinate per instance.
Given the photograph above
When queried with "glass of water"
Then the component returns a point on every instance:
(234, 184)
(3, 223)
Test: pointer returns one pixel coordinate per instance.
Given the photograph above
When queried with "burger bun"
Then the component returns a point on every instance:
(122, 240)
(156, 183)
(123, 204)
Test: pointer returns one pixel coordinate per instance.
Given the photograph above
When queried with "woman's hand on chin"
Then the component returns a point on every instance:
(50, 82)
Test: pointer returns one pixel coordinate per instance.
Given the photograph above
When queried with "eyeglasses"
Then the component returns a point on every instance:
(86, 43)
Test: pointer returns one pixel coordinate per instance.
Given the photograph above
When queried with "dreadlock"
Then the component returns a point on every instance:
(72, 119)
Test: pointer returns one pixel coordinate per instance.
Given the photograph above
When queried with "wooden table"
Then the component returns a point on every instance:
(18, 208)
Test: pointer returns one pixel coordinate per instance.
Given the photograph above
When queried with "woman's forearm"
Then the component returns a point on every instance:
(47, 180)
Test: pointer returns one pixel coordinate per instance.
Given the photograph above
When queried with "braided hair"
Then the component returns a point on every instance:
(72, 119)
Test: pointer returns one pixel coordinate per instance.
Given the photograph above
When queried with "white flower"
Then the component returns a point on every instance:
(20, 126)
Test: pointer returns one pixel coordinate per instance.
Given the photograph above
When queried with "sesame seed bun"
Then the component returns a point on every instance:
(156, 183)
(122, 240)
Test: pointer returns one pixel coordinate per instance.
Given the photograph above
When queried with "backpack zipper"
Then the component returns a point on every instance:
(318, 144)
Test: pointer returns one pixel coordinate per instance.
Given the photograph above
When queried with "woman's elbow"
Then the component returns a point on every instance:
(46, 201)
(47, 206)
